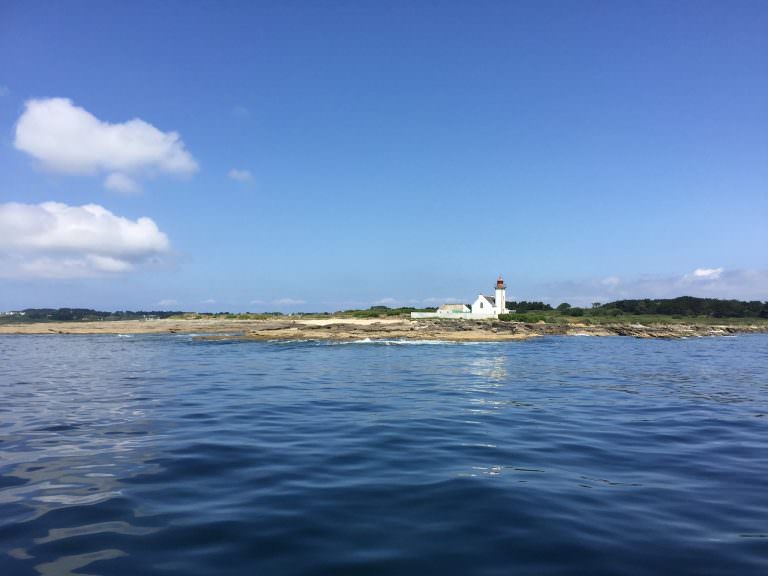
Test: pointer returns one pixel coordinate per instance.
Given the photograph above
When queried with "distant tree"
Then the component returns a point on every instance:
(524, 306)
(563, 307)
(692, 306)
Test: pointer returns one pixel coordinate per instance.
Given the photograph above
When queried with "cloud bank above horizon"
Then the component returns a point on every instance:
(721, 282)
(54, 240)
(68, 139)
(240, 175)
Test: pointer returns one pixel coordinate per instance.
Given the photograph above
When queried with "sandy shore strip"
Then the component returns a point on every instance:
(282, 329)
(181, 326)
(345, 329)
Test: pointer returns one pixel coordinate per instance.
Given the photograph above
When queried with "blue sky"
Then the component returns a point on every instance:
(341, 154)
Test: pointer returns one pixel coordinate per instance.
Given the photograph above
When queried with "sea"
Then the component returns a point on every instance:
(167, 454)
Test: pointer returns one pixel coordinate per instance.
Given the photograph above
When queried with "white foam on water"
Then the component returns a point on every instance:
(403, 342)
(375, 341)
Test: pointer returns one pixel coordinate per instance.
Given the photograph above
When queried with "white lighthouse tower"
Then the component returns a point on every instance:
(501, 296)
(491, 306)
(484, 307)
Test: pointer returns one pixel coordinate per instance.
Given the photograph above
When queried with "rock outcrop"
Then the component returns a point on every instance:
(345, 329)
(475, 331)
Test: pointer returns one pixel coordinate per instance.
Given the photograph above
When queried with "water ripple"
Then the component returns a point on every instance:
(169, 455)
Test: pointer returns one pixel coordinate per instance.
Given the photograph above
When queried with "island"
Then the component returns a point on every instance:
(683, 317)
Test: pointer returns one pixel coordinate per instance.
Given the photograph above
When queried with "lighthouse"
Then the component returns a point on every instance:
(491, 306)
(501, 296)
(484, 306)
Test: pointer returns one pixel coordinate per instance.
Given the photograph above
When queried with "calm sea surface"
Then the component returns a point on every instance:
(164, 455)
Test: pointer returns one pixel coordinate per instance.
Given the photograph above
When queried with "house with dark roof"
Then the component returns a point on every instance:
(451, 309)
(482, 308)
(492, 305)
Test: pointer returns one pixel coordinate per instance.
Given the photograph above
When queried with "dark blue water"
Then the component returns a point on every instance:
(163, 455)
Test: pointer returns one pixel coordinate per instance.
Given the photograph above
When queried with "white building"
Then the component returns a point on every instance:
(484, 306)
(451, 309)
(492, 305)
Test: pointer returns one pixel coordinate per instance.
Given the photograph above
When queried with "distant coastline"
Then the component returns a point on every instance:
(347, 329)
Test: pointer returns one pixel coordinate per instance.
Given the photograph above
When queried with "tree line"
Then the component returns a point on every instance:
(689, 306)
(83, 314)
(682, 306)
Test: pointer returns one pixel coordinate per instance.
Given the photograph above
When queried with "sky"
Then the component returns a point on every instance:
(326, 155)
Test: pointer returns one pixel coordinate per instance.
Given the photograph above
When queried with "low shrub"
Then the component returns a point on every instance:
(525, 317)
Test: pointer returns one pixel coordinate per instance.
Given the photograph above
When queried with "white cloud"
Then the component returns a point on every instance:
(701, 282)
(54, 240)
(288, 302)
(257, 302)
(67, 138)
(706, 274)
(611, 281)
(398, 302)
(4, 90)
(63, 266)
(240, 175)
(109, 263)
(432, 300)
(386, 302)
(208, 301)
(119, 182)
(168, 302)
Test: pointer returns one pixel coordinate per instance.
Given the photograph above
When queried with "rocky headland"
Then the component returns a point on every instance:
(350, 329)
(473, 331)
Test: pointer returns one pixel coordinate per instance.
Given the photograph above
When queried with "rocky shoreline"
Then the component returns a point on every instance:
(350, 329)
(476, 331)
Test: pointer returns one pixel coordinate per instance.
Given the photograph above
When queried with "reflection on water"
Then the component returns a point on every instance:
(73, 435)
(490, 369)
(162, 455)
(66, 565)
